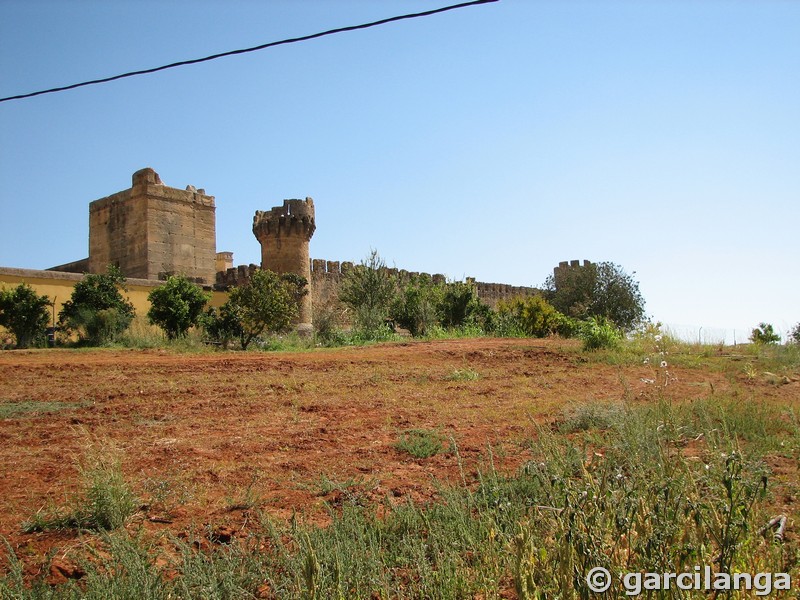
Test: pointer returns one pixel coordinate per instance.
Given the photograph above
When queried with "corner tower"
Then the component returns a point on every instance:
(284, 233)
(151, 231)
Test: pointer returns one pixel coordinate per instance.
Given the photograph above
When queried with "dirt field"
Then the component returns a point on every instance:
(203, 435)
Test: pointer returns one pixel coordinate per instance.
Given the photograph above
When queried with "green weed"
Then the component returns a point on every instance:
(16, 410)
(420, 443)
(632, 488)
(104, 503)
(465, 374)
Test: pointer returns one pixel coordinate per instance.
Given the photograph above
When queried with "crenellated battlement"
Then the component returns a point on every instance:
(152, 230)
(332, 272)
(284, 232)
(295, 217)
(235, 276)
(328, 274)
(566, 267)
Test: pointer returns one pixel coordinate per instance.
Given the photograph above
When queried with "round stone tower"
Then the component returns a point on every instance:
(284, 233)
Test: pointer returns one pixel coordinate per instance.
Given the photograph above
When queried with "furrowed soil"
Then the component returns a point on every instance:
(204, 437)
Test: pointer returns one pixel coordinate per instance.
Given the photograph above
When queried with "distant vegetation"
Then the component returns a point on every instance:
(97, 312)
(598, 303)
(25, 314)
(176, 306)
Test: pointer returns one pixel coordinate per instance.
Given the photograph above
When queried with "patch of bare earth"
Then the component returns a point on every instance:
(206, 437)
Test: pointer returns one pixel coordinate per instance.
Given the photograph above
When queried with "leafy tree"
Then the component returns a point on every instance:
(764, 334)
(267, 303)
(369, 289)
(24, 313)
(416, 305)
(97, 309)
(176, 306)
(534, 315)
(597, 290)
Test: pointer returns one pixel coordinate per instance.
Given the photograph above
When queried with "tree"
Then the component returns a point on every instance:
(369, 289)
(267, 303)
(597, 290)
(96, 309)
(24, 313)
(764, 334)
(176, 306)
(794, 334)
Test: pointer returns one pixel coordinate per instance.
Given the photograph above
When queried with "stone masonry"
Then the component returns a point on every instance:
(284, 233)
(151, 231)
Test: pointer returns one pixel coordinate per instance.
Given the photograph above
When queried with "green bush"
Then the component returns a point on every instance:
(106, 500)
(598, 333)
(420, 443)
(465, 374)
(176, 306)
(368, 290)
(534, 315)
(222, 324)
(96, 310)
(416, 305)
(25, 314)
(460, 306)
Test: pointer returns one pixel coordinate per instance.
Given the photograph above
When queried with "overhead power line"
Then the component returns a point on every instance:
(246, 50)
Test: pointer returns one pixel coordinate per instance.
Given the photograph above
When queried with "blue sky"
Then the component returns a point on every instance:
(492, 141)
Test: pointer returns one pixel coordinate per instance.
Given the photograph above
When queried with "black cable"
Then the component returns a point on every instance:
(245, 50)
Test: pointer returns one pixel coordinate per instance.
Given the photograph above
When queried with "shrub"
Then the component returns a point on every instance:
(461, 306)
(466, 374)
(598, 333)
(106, 500)
(420, 443)
(534, 315)
(222, 325)
(96, 309)
(24, 313)
(176, 306)
(764, 334)
(368, 290)
(416, 306)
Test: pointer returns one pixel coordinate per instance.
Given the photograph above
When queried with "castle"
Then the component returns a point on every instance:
(151, 231)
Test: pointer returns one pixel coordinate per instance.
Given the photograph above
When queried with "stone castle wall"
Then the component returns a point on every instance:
(326, 276)
(151, 231)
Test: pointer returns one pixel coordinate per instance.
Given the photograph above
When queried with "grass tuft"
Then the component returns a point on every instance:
(104, 503)
(420, 443)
